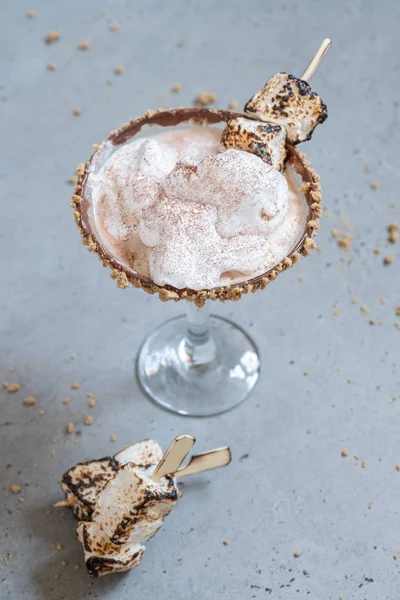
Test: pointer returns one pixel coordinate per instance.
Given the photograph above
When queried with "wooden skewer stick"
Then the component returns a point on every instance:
(316, 60)
(174, 456)
(67, 502)
(213, 459)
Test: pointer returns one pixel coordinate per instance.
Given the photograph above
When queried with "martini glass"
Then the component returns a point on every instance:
(197, 364)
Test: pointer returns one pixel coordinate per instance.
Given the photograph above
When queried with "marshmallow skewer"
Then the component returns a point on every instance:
(214, 459)
(174, 456)
(316, 60)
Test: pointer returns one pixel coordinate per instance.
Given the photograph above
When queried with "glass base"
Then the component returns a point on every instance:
(198, 381)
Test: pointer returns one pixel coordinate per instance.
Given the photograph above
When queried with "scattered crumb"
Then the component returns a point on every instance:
(91, 400)
(372, 321)
(345, 242)
(297, 553)
(73, 180)
(301, 278)
(109, 82)
(119, 70)
(64, 563)
(51, 66)
(179, 44)
(31, 14)
(204, 99)
(83, 45)
(76, 386)
(397, 310)
(226, 542)
(397, 467)
(395, 556)
(89, 420)
(369, 506)
(52, 36)
(73, 356)
(5, 385)
(70, 427)
(66, 400)
(114, 27)
(388, 260)
(58, 547)
(77, 567)
(345, 452)
(21, 499)
(356, 457)
(337, 312)
(382, 300)
(393, 231)
(233, 105)
(364, 464)
(335, 232)
(12, 387)
(77, 112)
(306, 373)
(325, 500)
(176, 88)
(113, 437)
(30, 400)
(16, 489)
(349, 380)
(364, 309)
(374, 185)
(42, 412)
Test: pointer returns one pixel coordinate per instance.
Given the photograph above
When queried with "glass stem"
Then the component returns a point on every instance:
(199, 345)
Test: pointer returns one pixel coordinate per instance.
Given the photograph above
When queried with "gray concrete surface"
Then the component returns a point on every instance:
(56, 300)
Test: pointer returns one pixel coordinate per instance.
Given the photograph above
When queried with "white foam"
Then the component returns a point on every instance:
(201, 211)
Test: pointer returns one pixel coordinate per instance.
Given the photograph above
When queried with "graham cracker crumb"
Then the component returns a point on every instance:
(13, 387)
(364, 464)
(30, 401)
(377, 251)
(233, 105)
(64, 563)
(297, 553)
(397, 467)
(395, 556)
(205, 99)
(73, 356)
(345, 242)
(306, 373)
(393, 231)
(73, 180)
(356, 457)
(337, 312)
(76, 385)
(122, 281)
(369, 506)
(180, 44)
(114, 27)
(109, 82)
(70, 427)
(349, 380)
(42, 412)
(66, 400)
(364, 309)
(31, 14)
(51, 67)
(113, 437)
(21, 499)
(16, 489)
(372, 321)
(77, 112)
(335, 232)
(83, 45)
(52, 36)
(5, 385)
(374, 185)
(119, 70)
(325, 500)
(91, 401)
(388, 260)
(226, 542)
(58, 547)
(89, 420)
(176, 88)
(382, 300)
(397, 311)
(345, 452)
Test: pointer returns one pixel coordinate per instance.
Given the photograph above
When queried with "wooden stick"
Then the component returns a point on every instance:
(316, 60)
(174, 456)
(213, 459)
(67, 502)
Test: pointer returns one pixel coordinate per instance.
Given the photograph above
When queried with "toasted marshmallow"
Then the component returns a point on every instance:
(288, 101)
(147, 452)
(265, 140)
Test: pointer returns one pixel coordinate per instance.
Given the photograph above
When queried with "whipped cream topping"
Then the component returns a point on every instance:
(182, 210)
